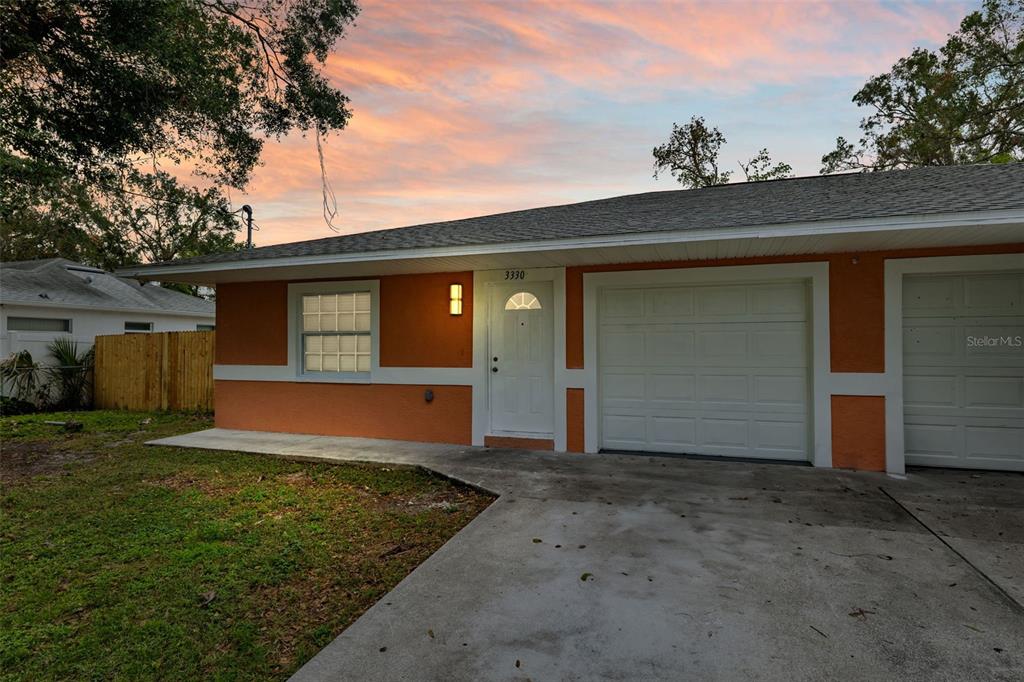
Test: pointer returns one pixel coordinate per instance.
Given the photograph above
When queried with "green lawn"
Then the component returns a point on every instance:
(124, 561)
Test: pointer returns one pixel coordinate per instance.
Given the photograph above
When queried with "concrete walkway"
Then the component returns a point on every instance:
(626, 567)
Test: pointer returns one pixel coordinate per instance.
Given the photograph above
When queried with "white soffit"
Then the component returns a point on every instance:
(630, 249)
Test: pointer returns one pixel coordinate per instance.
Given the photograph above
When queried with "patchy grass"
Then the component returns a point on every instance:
(119, 560)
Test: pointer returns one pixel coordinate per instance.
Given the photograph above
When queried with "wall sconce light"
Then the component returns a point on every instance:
(455, 299)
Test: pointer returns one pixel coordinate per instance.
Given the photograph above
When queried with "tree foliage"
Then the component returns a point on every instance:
(123, 123)
(962, 104)
(760, 168)
(692, 153)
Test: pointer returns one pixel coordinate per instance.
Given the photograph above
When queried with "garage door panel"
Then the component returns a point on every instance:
(624, 348)
(781, 390)
(673, 387)
(672, 303)
(631, 387)
(717, 370)
(787, 346)
(622, 303)
(993, 295)
(722, 345)
(781, 436)
(929, 344)
(625, 430)
(732, 433)
(1005, 392)
(929, 391)
(930, 295)
(674, 431)
(669, 346)
(781, 299)
(963, 371)
(724, 388)
(720, 302)
(993, 442)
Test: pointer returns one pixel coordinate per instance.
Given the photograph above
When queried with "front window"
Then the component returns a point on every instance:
(138, 327)
(336, 332)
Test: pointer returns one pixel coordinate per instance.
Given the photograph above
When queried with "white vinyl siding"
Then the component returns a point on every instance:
(336, 332)
(963, 370)
(709, 370)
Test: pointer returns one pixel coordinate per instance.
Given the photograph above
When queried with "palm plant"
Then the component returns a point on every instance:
(72, 374)
(19, 376)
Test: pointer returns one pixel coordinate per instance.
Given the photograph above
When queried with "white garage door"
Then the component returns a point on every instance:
(711, 370)
(963, 370)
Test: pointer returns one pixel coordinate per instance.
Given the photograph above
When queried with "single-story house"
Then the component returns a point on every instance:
(43, 299)
(869, 321)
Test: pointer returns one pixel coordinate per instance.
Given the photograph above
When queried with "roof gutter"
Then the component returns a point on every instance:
(933, 221)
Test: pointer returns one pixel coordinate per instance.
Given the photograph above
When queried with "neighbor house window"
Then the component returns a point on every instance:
(336, 332)
(205, 327)
(38, 324)
(135, 327)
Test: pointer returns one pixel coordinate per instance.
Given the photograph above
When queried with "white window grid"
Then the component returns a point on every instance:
(336, 332)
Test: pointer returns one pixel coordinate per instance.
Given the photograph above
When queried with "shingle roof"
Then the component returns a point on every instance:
(920, 191)
(58, 281)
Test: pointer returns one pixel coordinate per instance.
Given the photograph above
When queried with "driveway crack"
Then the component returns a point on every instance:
(1011, 600)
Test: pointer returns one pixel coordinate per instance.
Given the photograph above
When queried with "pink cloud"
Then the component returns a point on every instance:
(463, 108)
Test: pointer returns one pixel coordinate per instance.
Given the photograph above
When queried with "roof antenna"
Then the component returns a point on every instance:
(247, 210)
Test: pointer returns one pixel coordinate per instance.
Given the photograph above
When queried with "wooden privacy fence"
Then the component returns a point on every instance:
(160, 371)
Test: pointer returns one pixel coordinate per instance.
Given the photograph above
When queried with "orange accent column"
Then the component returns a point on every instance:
(858, 432)
(574, 431)
(856, 301)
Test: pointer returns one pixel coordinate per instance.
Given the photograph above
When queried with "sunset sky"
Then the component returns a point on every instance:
(464, 108)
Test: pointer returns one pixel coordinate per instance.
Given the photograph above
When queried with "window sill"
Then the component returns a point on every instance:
(335, 377)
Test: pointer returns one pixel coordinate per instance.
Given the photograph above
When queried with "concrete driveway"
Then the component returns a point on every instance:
(624, 567)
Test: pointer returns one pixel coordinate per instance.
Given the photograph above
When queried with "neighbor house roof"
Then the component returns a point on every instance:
(830, 198)
(64, 283)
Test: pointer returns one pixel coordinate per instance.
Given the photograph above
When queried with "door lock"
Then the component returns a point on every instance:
(494, 369)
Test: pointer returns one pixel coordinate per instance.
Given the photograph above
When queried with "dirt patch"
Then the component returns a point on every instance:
(451, 499)
(183, 480)
(20, 461)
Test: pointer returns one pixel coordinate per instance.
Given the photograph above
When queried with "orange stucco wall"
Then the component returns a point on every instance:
(364, 410)
(858, 432)
(574, 431)
(416, 329)
(856, 299)
(252, 323)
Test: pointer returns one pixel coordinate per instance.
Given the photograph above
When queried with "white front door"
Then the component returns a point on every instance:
(521, 359)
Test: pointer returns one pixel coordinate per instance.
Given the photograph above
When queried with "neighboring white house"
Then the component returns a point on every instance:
(43, 299)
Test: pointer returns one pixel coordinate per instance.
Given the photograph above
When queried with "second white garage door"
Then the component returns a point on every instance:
(711, 370)
(963, 370)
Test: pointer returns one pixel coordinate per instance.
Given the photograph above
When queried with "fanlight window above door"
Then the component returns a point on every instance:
(524, 300)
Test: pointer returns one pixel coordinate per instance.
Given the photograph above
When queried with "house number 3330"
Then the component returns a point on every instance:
(515, 274)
